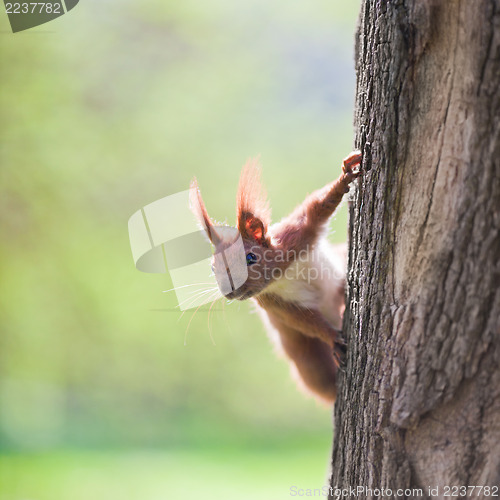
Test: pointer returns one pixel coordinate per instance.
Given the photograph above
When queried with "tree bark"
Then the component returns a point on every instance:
(419, 397)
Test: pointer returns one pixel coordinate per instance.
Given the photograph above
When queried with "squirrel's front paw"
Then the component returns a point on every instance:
(353, 160)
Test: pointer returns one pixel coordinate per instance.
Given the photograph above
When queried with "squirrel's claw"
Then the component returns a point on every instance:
(354, 159)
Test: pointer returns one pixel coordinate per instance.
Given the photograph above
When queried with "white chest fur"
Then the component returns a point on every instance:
(315, 280)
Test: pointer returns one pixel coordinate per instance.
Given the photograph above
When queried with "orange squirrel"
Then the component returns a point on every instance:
(295, 275)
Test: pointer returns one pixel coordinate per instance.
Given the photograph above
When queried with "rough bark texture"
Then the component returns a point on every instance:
(419, 399)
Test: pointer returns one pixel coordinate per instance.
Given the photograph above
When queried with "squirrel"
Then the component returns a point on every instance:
(293, 274)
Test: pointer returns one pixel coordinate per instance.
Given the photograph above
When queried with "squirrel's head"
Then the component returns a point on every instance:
(244, 258)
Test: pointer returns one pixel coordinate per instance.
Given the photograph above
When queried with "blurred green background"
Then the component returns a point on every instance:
(104, 110)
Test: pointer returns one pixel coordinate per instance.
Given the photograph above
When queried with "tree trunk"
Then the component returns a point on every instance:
(419, 398)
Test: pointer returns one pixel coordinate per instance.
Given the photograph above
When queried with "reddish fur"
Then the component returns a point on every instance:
(306, 223)
(253, 213)
(308, 338)
(312, 358)
(310, 322)
(200, 211)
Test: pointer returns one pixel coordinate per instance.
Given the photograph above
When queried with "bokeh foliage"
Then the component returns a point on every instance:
(108, 108)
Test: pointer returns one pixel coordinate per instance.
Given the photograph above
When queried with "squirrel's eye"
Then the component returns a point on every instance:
(251, 258)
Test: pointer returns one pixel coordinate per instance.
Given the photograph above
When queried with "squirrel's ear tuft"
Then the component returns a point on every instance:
(253, 213)
(198, 208)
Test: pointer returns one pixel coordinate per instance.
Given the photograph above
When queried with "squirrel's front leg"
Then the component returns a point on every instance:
(309, 323)
(312, 359)
(302, 227)
(320, 205)
(306, 320)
